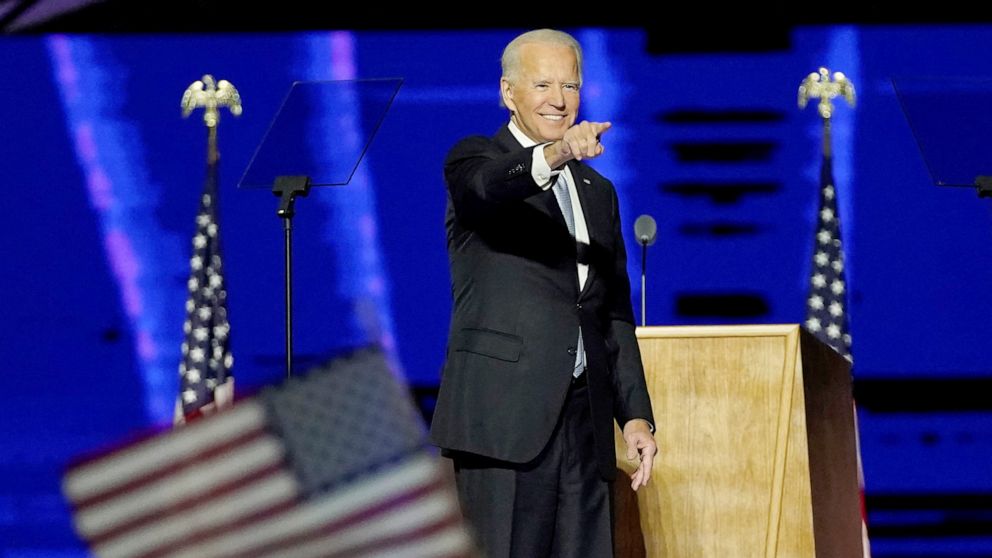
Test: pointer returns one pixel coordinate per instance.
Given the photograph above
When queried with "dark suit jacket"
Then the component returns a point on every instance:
(517, 308)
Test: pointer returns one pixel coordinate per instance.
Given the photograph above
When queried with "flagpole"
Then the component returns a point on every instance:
(206, 383)
(827, 140)
(827, 304)
(212, 154)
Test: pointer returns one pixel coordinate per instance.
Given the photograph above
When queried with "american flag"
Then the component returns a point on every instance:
(205, 379)
(333, 463)
(826, 306)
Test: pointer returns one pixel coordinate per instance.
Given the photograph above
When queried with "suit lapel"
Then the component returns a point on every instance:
(583, 185)
(545, 202)
(548, 203)
(505, 140)
(587, 197)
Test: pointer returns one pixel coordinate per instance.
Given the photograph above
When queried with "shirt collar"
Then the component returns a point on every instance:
(522, 138)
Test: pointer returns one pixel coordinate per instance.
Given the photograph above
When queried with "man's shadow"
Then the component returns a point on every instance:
(628, 539)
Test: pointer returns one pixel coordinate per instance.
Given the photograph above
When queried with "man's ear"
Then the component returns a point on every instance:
(506, 93)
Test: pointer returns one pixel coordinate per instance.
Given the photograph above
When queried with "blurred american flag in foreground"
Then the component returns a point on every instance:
(333, 463)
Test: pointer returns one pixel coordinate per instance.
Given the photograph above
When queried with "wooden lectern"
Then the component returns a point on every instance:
(755, 429)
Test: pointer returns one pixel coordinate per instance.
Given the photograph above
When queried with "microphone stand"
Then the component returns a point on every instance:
(287, 189)
(644, 263)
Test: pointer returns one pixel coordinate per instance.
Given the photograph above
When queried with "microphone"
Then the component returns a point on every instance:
(646, 230)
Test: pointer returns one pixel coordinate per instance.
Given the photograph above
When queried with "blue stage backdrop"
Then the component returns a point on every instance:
(103, 179)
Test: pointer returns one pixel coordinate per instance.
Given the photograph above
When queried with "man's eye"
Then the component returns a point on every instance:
(571, 86)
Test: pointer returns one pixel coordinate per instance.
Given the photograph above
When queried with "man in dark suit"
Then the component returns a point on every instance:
(542, 355)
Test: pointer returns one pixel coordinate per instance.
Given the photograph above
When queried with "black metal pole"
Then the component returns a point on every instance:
(288, 228)
(644, 282)
(287, 188)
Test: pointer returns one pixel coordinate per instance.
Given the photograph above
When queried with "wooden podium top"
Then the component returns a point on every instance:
(757, 330)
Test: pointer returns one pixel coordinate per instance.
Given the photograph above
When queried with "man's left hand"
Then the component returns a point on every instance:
(637, 435)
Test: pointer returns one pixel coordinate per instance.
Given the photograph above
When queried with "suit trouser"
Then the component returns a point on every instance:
(556, 505)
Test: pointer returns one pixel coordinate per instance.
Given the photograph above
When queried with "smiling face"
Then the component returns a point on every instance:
(544, 92)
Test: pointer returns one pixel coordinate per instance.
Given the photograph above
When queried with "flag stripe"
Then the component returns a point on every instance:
(327, 548)
(422, 501)
(274, 493)
(238, 538)
(183, 506)
(104, 474)
(381, 546)
(346, 537)
(258, 445)
(450, 543)
(189, 545)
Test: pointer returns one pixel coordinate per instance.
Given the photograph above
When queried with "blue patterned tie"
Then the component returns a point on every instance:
(565, 204)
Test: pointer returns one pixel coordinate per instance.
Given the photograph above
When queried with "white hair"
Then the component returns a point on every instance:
(510, 60)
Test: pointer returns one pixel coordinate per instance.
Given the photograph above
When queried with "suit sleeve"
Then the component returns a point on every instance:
(480, 178)
(632, 399)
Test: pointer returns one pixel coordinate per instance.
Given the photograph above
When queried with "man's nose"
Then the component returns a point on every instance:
(557, 98)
